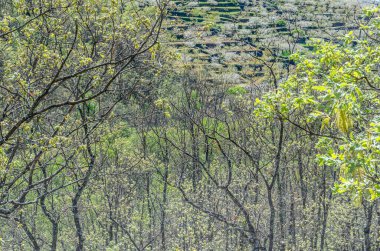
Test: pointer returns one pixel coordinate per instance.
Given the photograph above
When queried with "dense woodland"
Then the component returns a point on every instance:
(178, 125)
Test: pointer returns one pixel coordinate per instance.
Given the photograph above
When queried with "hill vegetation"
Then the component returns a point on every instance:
(178, 125)
(239, 36)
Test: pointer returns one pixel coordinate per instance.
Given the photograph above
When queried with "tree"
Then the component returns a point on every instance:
(334, 95)
(64, 66)
(106, 144)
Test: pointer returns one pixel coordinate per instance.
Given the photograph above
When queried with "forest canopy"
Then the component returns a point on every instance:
(334, 95)
(179, 125)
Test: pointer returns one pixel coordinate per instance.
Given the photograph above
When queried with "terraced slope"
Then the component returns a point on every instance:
(237, 37)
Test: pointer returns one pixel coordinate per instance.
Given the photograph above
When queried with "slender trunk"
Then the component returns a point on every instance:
(54, 224)
(367, 229)
(77, 222)
(81, 187)
(256, 178)
(164, 201)
(30, 235)
(281, 205)
(271, 185)
(195, 154)
(49, 215)
(271, 220)
(292, 226)
(302, 182)
(326, 206)
(377, 236)
(75, 207)
(110, 228)
(150, 211)
(324, 224)
(314, 239)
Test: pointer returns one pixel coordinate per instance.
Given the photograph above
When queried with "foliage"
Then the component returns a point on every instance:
(334, 94)
(106, 144)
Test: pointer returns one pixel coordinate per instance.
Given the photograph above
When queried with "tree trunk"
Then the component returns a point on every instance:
(271, 220)
(368, 208)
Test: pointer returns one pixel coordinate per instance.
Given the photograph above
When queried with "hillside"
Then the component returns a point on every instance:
(235, 36)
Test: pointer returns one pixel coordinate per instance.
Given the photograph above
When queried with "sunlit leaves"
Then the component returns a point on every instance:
(336, 89)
